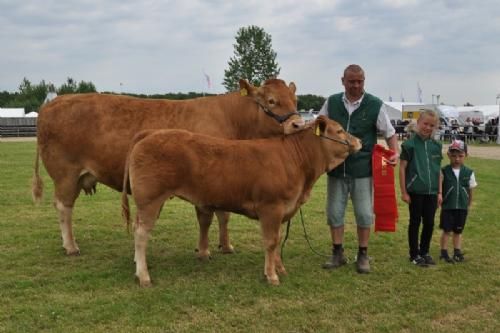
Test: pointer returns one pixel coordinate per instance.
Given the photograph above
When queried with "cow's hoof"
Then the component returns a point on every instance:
(203, 255)
(73, 252)
(273, 281)
(226, 249)
(146, 283)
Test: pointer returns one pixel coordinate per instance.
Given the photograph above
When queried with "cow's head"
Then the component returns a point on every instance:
(336, 143)
(277, 101)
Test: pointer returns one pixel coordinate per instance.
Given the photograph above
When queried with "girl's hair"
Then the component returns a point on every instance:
(432, 114)
(429, 113)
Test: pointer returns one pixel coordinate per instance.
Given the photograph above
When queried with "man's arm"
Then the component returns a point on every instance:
(392, 143)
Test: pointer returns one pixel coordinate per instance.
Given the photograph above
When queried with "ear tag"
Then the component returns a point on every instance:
(243, 92)
(317, 132)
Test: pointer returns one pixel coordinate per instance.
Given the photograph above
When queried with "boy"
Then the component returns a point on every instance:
(458, 182)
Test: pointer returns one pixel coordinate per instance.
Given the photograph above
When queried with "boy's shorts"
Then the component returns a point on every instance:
(453, 220)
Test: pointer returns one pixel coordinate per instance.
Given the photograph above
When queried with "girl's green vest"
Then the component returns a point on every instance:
(456, 191)
(424, 164)
(362, 123)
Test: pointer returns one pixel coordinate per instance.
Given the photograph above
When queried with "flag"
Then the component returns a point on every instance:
(402, 98)
(209, 84)
(419, 93)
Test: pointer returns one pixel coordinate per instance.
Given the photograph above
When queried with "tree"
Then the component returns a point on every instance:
(308, 102)
(253, 60)
(69, 87)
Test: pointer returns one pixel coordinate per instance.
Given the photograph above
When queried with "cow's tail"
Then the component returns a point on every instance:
(37, 183)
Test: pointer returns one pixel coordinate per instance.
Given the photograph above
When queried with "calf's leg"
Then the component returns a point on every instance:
(146, 218)
(270, 225)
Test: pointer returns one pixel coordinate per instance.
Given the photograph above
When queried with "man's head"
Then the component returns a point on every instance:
(354, 82)
(457, 151)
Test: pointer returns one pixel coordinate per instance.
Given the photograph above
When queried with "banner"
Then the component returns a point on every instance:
(384, 191)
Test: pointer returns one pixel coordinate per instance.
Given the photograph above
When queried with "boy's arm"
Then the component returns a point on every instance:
(402, 181)
(440, 189)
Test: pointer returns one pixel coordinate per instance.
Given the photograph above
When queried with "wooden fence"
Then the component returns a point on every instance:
(17, 127)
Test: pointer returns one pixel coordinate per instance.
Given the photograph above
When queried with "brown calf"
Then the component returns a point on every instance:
(264, 179)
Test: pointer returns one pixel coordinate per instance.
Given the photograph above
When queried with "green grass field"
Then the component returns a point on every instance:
(42, 290)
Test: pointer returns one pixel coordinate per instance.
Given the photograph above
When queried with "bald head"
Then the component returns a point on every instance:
(354, 82)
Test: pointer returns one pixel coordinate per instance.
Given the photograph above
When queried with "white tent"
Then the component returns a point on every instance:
(32, 114)
(12, 112)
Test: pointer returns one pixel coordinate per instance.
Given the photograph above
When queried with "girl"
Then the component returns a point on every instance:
(419, 178)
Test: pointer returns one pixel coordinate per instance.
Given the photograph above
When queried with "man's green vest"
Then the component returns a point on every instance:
(456, 191)
(362, 123)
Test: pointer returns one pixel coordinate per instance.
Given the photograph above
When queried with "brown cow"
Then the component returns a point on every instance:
(264, 179)
(83, 139)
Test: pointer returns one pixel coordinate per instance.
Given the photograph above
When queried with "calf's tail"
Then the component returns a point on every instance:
(37, 183)
(125, 203)
(126, 182)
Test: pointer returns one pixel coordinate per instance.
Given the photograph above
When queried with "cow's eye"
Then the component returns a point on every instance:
(340, 131)
(271, 101)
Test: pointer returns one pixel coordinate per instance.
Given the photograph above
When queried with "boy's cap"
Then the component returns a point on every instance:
(458, 145)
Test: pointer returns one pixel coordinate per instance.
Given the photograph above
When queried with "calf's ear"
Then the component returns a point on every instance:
(292, 87)
(321, 122)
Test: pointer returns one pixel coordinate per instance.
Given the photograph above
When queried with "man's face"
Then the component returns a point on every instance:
(457, 158)
(354, 83)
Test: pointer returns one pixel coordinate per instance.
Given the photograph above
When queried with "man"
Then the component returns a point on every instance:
(361, 114)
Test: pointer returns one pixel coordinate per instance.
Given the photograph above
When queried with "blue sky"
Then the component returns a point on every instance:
(450, 48)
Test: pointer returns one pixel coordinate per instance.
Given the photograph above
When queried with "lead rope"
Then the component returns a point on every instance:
(305, 236)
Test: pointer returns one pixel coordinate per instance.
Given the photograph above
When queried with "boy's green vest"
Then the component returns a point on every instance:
(424, 164)
(362, 123)
(456, 191)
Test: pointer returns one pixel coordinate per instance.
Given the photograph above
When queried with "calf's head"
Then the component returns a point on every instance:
(277, 101)
(336, 143)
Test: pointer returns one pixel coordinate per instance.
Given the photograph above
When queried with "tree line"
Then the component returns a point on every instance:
(31, 96)
(254, 60)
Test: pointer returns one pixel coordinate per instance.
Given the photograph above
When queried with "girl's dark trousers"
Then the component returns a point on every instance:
(422, 210)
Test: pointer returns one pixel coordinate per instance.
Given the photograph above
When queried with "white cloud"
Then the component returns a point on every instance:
(411, 41)
(158, 46)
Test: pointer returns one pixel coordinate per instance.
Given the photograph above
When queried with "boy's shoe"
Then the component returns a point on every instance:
(363, 263)
(458, 257)
(446, 258)
(419, 261)
(428, 259)
(336, 260)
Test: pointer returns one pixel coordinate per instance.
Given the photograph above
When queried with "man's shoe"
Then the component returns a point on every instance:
(419, 261)
(363, 263)
(458, 257)
(428, 259)
(336, 260)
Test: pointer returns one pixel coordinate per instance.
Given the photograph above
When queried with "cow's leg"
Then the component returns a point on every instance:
(270, 225)
(280, 268)
(204, 220)
(224, 243)
(66, 192)
(146, 218)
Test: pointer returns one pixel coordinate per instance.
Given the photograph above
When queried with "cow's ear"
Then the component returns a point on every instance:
(292, 87)
(246, 88)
